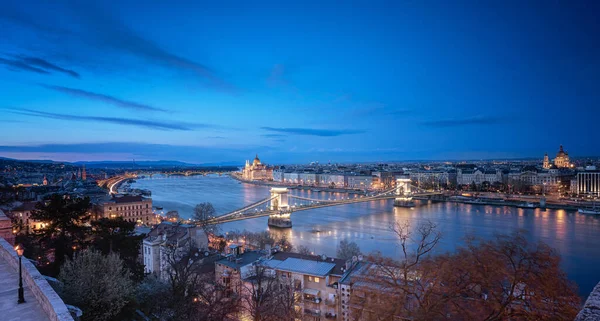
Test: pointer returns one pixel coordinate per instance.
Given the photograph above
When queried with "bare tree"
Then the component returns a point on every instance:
(284, 244)
(508, 278)
(502, 279)
(346, 250)
(303, 250)
(260, 294)
(395, 288)
(203, 214)
(195, 293)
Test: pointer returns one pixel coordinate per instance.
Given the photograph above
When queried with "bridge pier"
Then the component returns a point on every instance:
(403, 193)
(279, 203)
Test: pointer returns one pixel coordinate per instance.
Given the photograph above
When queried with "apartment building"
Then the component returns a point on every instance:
(131, 208)
(173, 235)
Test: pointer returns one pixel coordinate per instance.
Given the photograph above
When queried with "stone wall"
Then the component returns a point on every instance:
(591, 308)
(46, 297)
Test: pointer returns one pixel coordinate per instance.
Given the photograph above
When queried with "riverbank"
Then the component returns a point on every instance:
(520, 203)
(298, 187)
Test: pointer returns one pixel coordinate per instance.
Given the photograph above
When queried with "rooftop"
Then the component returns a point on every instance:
(337, 270)
(317, 268)
(240, 260)
(128, 199)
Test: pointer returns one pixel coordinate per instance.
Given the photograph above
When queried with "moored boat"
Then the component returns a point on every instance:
(593, 211)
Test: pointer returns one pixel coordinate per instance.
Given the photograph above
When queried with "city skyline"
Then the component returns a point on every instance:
(374, 82)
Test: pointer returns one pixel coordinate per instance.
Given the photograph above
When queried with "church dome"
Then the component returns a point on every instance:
(256, 160)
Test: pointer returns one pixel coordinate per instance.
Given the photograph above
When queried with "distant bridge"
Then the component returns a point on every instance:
(280, 205)
(184, 173)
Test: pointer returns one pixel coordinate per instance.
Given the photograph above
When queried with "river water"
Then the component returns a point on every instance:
(575, 236)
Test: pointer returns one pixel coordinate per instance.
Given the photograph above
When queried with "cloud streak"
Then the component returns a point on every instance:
(273, 135)
(458, 122)
(16, 64)
(41, 63)
(99, 29)
(314, 131)
(149, 124)
(36, 65)
(103, 98)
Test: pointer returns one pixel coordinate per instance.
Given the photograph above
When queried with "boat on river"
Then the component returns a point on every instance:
(526, 205)
(594, 210)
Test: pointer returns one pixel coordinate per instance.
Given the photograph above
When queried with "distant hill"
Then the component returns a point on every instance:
(137, 164)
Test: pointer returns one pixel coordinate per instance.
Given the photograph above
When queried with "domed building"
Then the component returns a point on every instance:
(257, 171)
(562, 159)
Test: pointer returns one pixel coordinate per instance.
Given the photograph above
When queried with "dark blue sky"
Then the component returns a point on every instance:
(339, 81)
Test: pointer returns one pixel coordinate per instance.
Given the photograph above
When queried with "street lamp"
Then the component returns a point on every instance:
(19, 250)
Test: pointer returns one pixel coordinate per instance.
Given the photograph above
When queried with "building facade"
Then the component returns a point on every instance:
(22, 216)
(6, 230)
(359, 181)
(477, 176)
(131, 208)
(562, 159)
(173, 235)
(332, 180)
(588, 183)
(257, 171)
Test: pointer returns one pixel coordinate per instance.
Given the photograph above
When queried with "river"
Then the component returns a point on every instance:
(575, 236)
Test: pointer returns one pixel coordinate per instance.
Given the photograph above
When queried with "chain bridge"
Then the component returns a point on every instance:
(280, 205)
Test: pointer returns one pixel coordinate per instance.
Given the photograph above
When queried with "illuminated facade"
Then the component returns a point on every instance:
(257, 171)
(131, 208)
(562, 159)
(546, 164)
(588, 183)
(22, 215)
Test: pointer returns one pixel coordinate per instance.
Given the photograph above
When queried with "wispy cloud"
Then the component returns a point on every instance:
(20, 65)
(151, 124)
(97, 28)
(42, 63)
(457, 122)
(273, 135)
(35, 64)
(114, 150)
(103, 98)
(314, 131)
(216, 137)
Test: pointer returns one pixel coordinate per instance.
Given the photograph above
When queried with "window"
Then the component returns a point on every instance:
(316, 280)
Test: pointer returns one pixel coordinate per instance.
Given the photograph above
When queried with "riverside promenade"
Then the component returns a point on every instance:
(41, 302)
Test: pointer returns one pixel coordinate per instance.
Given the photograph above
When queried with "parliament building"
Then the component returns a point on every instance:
(257, 171)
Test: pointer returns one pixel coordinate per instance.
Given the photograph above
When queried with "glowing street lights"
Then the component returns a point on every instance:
(19, 250)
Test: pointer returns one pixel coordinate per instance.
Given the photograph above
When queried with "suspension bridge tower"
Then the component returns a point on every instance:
(279, 204)
(403, 193)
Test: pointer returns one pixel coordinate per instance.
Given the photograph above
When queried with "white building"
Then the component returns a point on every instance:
(308, 179)
(169, 234)
(278, 175)
(588, 183)
(291, 178)
(331, 180)
(477, 176)
(359, 181)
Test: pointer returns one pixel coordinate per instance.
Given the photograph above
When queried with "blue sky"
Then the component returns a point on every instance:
(316, 80)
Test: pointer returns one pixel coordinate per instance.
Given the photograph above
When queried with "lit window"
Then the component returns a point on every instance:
(316, 280)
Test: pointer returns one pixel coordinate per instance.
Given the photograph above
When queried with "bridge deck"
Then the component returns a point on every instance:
(320, 204)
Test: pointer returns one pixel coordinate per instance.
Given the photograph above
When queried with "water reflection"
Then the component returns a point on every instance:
(574, 235)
